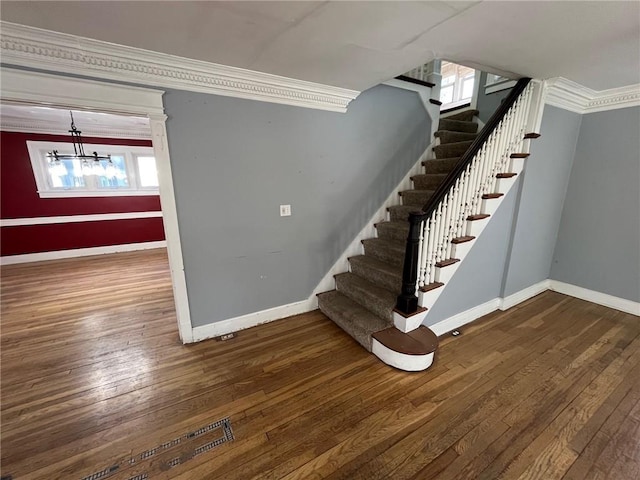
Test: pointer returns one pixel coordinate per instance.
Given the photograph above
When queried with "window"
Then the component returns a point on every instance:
(132, 171)
(495, 83)
(457, 84)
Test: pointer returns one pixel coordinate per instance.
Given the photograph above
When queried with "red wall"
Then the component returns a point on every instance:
(19, 199)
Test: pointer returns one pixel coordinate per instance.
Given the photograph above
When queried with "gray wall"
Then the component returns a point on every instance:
(235, 161)
(541, 192)
(479, 277)
(487, 104)
(598, 244)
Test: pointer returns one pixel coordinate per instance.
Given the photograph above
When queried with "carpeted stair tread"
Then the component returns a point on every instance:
(449, 150)
(389, 251)
(458, 126)
(440, 165)
(416, 197)
(351, 317)
(378, 272)
(465, 116)
(393, 230)
(428, 181)
(447, 136)
(401, 212)
(374, 298)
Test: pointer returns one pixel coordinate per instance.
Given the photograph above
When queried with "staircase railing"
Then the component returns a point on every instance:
(444, 217)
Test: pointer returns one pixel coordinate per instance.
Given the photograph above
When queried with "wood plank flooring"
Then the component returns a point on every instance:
(93, 373)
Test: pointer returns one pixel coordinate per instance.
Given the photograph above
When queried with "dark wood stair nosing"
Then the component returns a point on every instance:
(489, 196)
(506, 175)
(447, 262)
(479, 216)
(532, 135)
(519, 155)
(431, 286)
(435, 102)
(463, 239)
(407, 315)
(421, 341)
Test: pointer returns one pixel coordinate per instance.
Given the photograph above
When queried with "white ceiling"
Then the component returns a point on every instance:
(57, 121)
(359, 44)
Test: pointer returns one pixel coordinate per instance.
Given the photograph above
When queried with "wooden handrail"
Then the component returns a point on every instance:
(474, 148)
(407, 302)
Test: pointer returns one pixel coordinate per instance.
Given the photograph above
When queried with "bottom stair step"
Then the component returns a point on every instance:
(420, 341)
(351, 317)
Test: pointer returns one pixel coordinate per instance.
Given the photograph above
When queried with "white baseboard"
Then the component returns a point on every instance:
(465, 317)
(456, 321)
(524, 294)
(600, 298)
(249, 320)
(79, 252)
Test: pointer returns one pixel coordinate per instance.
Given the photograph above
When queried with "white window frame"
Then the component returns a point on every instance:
(39, 163)
(496, 83)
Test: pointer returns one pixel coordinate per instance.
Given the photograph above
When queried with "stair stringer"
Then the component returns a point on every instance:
(476, 228)
(445, 274)
(369, 230)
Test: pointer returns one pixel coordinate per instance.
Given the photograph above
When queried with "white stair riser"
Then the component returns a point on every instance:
(428, 299)
(460, 250)
(516, 165)
(401, 361)
(407, 324)
(475, 227)
(490, 205)
(503, 185)
(444, 274)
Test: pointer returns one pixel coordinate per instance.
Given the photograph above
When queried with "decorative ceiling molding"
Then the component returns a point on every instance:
(577, 98)
(43, 49)
(29, 125)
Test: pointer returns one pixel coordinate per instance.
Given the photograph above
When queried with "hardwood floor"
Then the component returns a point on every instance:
(93, 373)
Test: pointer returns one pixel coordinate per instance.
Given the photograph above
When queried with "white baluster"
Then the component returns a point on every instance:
(421, 249)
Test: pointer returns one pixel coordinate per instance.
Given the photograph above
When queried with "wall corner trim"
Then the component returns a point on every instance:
(44, 49)
(577, 98)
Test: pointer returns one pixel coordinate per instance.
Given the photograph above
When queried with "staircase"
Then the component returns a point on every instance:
(362, 303)
(420, 245)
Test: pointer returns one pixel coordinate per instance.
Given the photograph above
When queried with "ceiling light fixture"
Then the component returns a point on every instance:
(90, 164)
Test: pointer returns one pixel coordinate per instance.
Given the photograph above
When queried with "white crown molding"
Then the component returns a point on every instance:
(43, 49)
(30, 125)
(574, 97)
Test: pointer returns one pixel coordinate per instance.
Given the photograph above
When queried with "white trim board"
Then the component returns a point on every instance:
(463, 318)
(44, 49)
(99, 217)
(249, 320)
(524, 294)
(622, 304)
(577, 98)
(79, 252)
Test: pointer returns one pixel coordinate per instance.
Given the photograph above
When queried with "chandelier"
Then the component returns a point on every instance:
(89, 164)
